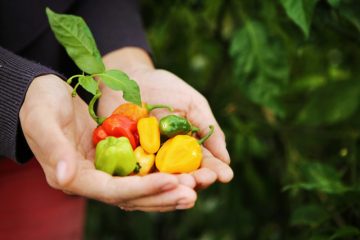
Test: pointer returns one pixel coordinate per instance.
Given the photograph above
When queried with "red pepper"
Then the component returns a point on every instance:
(117, 126)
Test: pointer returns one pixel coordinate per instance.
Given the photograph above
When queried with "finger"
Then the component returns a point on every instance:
(204, 177)
(177, 197)
(102, 186)
(186, 180)
(201, 116)
(223, 171)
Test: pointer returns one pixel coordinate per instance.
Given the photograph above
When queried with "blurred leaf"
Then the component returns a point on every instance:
(333, 103)
(346, 232)
(309, 82)
(300, 11)
(260, 65)
(319, 177)
(351, 13)
(334, 3)
(311, 215)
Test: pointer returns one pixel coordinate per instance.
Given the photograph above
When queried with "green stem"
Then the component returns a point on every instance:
(151, 107)
(73, 94)
(201, 141)
(98, 120)
(72, 77)
(194, 129)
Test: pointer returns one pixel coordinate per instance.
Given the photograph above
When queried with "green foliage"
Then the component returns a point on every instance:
(118, 80)
(283, 80)
(88, 83)
(301, 11)
(74, 34)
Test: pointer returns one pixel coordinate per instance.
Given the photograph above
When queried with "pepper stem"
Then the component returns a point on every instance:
(97, 119)
(73, 93)
(72, 77)
(151, 107)
(201, 141)
(137, 168)
(194, 129)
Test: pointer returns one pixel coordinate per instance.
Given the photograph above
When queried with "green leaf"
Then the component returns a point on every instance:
(73, 33)
(89, 84)
(261, 67)
(351, 13)
(316, 176)
(334, 3)
(300, 11)
(330, 104)
(309, 215)
(118, 80)
(346, 232)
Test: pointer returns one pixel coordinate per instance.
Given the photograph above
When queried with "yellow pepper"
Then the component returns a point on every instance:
(145, 160)
(149, 134)
(181, 154)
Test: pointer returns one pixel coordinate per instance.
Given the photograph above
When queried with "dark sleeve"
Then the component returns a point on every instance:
(16, 74)
(114, 24)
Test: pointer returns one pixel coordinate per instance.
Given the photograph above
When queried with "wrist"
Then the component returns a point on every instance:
(128, 60)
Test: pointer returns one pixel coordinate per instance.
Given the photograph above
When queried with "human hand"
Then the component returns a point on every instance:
(160, 86)
(58, 129)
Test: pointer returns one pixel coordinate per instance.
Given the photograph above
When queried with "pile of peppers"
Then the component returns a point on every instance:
(130, 141)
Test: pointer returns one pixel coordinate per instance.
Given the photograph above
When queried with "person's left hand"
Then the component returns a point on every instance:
(163, 87)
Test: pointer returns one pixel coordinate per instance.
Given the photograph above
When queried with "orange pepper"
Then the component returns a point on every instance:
(136, 112)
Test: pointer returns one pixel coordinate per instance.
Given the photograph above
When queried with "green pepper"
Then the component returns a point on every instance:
(173, 125)
(115, 156)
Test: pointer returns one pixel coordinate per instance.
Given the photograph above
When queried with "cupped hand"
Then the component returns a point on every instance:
(163, 87)
(58, 129)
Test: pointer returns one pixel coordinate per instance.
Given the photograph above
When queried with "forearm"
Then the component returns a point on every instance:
(16, 74)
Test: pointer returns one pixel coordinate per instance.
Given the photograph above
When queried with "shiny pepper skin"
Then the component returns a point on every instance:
(117, 126)
(173, 125)
(180, 154)
(149, 134)
(145, 160)
(115, 156)
(136, 112)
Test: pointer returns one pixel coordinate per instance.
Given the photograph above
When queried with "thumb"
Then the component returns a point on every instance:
(65, 172)
(66, 161)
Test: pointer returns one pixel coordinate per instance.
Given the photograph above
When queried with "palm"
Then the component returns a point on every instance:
(58, 129)
(50, 117)
(163, 87)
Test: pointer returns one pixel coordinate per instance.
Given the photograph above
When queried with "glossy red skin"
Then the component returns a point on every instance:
(117, 126)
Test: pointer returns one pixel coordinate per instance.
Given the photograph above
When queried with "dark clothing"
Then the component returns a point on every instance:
(33, 51)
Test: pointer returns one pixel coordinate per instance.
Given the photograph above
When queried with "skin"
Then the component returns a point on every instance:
(67, 154)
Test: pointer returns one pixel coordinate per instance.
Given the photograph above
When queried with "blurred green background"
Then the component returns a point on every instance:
(283, 79)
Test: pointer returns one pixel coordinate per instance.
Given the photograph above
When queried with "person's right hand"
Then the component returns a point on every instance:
(58, 129)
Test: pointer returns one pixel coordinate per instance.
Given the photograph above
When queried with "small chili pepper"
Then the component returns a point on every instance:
(115, 156)
(117, 126)
(149, 134)
(181, 154)
(145, 160)
(136, 112)
(173, 125)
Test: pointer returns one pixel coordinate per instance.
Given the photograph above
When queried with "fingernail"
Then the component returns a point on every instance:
(61, 172)
(182, 207)
(183, 202)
